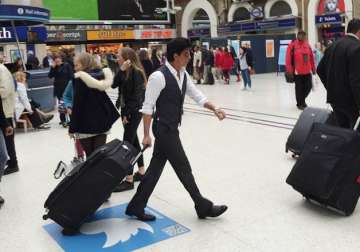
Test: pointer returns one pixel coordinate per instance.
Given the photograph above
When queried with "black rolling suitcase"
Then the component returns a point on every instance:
(89, 185)
(328, 170)
(296, 140)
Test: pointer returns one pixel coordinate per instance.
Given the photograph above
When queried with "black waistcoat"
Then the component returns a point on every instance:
(169, 105)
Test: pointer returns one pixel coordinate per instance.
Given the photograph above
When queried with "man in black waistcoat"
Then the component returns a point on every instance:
(339, 72)
(166, 91)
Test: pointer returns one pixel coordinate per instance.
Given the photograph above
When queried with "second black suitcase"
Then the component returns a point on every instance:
(89, 185)
(328, 170)
(303, 126)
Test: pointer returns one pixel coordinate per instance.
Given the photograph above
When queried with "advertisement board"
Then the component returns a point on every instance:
(109, 11)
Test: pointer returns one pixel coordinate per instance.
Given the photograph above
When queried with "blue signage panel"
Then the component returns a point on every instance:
(25, 34)
(260, 25)
(24, 13)
(111, 231)
(328, 19)
(199, 32)
(248, 27)
(276, 24)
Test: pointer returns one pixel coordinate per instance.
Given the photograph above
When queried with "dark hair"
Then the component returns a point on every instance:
(301, 32)
(177, 46)
(153, 52)
(233, 52)
(143, 55)
(353, 26)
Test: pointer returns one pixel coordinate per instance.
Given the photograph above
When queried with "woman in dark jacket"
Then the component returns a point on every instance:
(155, 59)
(62, 74)
(130, 81)
(146, 62)
(93, 113)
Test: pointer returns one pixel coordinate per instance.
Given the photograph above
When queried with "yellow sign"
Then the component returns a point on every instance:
(111, 35)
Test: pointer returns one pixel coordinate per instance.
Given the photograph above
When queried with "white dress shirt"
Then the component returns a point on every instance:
(352, 35)
(157, 83)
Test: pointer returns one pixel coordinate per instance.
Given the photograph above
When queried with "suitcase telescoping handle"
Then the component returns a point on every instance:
(139, 155)
(356, 127)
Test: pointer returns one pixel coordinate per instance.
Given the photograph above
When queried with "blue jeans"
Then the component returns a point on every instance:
(4, 157)
(246, 77)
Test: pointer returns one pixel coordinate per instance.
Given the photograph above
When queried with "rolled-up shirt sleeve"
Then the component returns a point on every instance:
(194, 93)
(154, 87)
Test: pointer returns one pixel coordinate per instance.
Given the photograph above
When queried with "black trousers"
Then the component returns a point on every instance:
(92, 143)
(61, 115)
(303, 85)
(346, 117)
(35, 118)
(168, 147)
(10, 146)
(130, 135)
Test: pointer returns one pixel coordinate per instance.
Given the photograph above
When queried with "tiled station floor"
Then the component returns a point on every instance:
(240, 162)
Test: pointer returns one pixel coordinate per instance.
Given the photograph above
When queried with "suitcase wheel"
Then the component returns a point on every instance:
(306, 197)
(45, 217)
(347, 214)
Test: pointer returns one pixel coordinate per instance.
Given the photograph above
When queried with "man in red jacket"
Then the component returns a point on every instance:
(300, 62)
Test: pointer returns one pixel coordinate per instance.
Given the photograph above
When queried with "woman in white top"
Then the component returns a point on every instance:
(246, 65)
(22, 103)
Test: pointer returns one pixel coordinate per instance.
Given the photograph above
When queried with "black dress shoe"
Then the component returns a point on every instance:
(215, 211)
(138, 176)
(141, 216)
(42, 127)
(2, 201)
(69, 232)
(124, 186)
(11, 169)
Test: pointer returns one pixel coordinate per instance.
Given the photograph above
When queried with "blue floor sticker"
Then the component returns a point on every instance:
(111, 230)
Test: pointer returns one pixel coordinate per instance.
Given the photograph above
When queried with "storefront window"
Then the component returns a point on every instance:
(280, 8)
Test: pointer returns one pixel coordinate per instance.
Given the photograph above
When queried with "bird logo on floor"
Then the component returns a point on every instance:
(115, 234)
(111, 230)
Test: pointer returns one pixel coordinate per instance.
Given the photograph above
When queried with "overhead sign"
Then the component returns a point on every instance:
(328, 19)
(155, 34)
(110, 230)
(199, 32)
(288, 23)
(24, 13)
(5, 34)
(111, 35)
(68, 35)
(25, 34)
